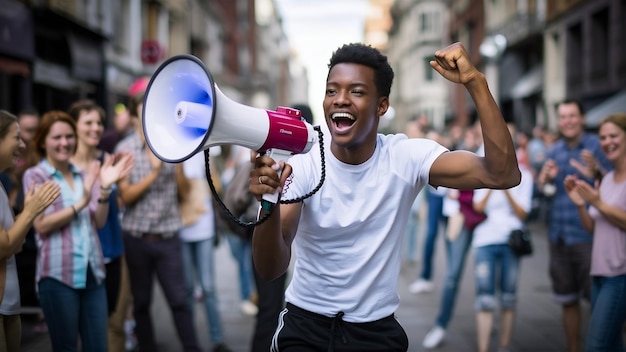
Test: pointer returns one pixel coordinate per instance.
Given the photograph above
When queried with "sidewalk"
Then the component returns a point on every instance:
(538, 325)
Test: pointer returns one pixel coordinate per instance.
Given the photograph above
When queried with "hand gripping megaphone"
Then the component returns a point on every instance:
(184, 112)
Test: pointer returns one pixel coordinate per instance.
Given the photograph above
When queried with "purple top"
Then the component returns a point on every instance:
(608, 257)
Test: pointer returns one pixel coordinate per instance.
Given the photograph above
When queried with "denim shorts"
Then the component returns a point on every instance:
(488, 262)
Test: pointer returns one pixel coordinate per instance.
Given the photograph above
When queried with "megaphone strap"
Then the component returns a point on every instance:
(287, 201)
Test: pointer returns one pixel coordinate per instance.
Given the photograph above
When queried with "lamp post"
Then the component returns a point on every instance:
(491, 49)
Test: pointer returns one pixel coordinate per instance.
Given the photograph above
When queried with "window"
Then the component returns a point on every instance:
(429, 73)
(600, 46)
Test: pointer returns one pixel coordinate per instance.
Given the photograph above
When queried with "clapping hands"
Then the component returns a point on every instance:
(115, 168)
(37, 199)
(589, 164)
(580, 192)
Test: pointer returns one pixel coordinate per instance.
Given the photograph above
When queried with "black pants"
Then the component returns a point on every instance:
(302, 331)
(112, 281)
(147, 258)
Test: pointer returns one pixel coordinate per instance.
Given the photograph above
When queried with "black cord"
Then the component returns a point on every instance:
(288, 201)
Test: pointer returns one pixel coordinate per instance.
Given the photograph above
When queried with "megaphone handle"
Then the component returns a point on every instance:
(278, 155)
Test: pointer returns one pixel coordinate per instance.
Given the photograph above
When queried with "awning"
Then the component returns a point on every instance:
(616, 103)
(16, 31)
(52, 74)
(87, 57)
(530, 83)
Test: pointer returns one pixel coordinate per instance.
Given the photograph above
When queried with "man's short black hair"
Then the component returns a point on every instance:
(369, 56)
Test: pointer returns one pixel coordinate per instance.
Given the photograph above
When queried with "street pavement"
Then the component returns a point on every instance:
(538, 326)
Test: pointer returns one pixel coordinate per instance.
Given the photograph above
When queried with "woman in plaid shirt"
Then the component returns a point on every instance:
(70, 268)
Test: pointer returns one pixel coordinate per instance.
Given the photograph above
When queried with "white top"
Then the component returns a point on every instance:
(347, 248)
(204, 228)
(501, 218)
(451, 205)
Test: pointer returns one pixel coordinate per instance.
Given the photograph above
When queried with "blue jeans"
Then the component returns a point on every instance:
(198, 261)
(608, 314)
(71, 313)
(410, 236)
(435, 216)
(490, 261)
(242, 252)
(456, 252)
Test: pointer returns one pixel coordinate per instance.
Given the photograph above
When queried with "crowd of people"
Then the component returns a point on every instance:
(561, 173)
(97, 216)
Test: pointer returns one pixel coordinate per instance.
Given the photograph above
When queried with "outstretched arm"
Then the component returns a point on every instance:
(498, 169)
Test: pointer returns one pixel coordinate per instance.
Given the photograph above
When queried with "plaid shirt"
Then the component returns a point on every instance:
(564, 220)
(157, 211)
(66, 253)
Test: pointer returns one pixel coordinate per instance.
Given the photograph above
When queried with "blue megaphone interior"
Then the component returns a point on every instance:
(180, 79)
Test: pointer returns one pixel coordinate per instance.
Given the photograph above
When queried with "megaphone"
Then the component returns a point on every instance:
(184, 112)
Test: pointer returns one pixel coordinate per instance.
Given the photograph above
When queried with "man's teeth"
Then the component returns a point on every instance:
(342, 115)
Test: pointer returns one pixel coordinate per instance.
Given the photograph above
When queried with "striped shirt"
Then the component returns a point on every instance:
(157, 211)
(66, 254)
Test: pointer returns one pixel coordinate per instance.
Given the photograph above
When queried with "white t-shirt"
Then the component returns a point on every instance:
(347, 247)
(204, 228)
(451, 205)
(501, 218)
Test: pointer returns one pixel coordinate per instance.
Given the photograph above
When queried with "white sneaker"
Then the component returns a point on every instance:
(421, 286)
(249, 308)
(434, 337)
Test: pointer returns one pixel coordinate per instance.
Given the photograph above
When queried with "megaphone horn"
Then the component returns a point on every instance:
(184, 112)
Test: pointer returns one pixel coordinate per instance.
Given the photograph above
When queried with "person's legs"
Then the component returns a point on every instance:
(10, 332)
(457, 252)
(484, 273)
(238, 250)
(509, 275)
(567, 286)
(571, 324)
(141, 267)
(112, 283)
(188, 256)
(608, 314)
(170, 273)
(271, 303)
(93, 315)
(410, 238)
(205, 264)
(60, 305)
(116, 334)
(435, 208)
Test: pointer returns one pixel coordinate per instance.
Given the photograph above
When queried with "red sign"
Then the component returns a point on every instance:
(151, 52)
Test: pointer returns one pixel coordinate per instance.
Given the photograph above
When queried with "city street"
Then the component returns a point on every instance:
(538, 322)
